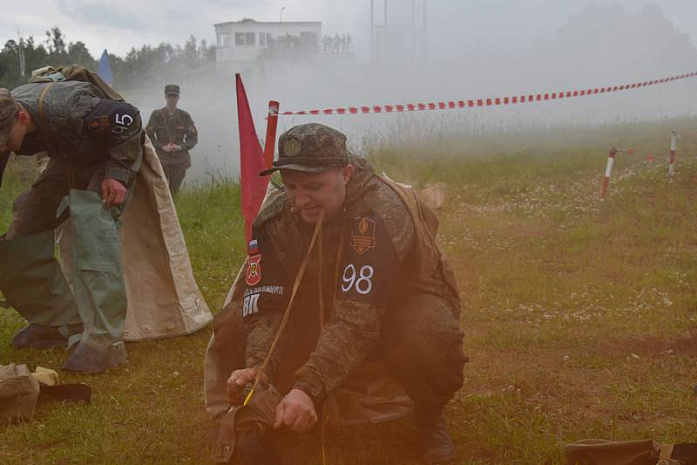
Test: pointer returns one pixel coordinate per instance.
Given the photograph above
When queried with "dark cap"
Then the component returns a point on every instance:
(311, 148)
(171, 89)
(8, 111)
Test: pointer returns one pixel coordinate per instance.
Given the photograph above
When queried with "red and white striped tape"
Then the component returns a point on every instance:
(485, 102)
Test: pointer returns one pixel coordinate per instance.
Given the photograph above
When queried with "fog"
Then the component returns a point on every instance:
(461, 55)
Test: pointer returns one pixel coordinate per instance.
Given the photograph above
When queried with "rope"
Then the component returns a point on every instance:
(286, 315)
(41, 101)
(316, 236)
(320, 253)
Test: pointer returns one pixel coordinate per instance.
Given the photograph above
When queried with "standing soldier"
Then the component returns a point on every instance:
(95, 148)
(377, 287)
(173, 134)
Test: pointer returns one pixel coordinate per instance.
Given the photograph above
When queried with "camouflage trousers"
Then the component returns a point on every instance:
(420, 344)
(175, 174)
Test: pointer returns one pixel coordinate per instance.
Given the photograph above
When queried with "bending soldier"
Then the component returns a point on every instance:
(95, 148)
(389, 295)
(173, 133)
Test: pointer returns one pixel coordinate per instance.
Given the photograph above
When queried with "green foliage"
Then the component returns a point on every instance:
(131, 71)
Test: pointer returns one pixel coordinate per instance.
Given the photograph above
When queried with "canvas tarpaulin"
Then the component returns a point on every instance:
(97, 284)
(163, 297)
(19, 392)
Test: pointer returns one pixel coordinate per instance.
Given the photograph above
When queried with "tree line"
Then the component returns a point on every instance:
(19, 58)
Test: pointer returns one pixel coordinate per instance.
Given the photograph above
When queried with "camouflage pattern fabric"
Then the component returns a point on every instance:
(178, 128)
(79, 127)
(420, 346)
(377, 275)
(311, 148)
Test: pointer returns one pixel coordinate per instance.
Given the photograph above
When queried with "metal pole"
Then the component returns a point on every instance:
(425, 29)
(385, 12)
(281, 14)
(372, 30)
(413, 32)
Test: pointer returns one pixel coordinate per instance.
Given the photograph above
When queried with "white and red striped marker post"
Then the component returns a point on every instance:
(271, 125)
(608, 171)
(608, 167)
(673, 150)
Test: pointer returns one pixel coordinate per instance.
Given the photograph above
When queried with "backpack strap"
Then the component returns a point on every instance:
(164, 120)
(41, 101)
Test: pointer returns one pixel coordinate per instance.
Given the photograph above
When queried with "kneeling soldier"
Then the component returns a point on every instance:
(389, 292)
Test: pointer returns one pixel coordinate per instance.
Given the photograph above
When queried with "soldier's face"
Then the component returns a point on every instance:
(15, 137)
(310, 192)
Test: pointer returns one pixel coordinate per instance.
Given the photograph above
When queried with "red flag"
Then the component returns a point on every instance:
(252, 161)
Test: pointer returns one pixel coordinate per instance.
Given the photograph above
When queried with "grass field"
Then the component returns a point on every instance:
(580, 314)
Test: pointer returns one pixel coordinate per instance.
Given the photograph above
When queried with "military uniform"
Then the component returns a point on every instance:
(388, 292)
(177, 128)
(88, 137)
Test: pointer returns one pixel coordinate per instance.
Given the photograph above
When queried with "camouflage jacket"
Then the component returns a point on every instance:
(369, 265)
(177, 128)
(79, 127)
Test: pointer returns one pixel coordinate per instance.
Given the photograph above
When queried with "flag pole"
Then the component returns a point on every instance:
(271, 125)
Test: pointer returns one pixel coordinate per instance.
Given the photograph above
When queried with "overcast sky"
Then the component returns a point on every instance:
(120, 25)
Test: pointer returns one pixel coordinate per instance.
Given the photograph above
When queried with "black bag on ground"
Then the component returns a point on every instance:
(647, 452)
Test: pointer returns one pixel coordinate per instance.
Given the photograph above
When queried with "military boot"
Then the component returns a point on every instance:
(42, 337)
(92, 360)
(435, 444)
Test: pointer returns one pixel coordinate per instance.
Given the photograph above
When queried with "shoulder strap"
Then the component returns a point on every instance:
(41, 101)
(164, 119)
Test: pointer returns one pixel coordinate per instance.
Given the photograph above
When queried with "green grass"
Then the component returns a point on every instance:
(580, 314)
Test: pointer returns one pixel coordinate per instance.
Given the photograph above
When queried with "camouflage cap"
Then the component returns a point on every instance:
(311, 148)
(172, 89)
(8, 111)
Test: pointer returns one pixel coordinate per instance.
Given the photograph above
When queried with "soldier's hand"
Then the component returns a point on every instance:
(296, 412)
(237, 382)
(113, 193)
